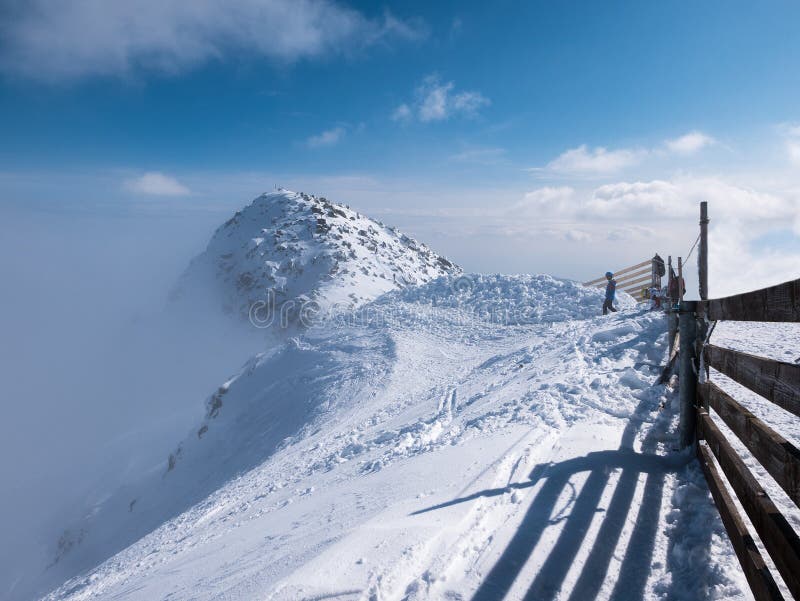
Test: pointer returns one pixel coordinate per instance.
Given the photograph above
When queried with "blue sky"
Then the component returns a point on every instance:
(548, 131)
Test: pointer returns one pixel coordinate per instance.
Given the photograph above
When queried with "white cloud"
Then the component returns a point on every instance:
(547, 201)
(597, 161)
(53, 40)
(630, 232)
(662, 215)
(402, 113)
(735, 265)
(600, 161)
(577, 236)
(327, 138)
(154, 183)
(791, 133)
(660, 203)
(433, 105)
(680, 198)
(436, 101)
(633, 199)
(468, 103)
(689, 143)
(793, 150)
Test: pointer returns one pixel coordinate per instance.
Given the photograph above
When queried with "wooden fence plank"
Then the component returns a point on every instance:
(755, 570)
(638, 272)
(646, 277)
(778, 456)
(628, 284)
(620, 272)
(776, 381)
(776, 533)
(776, 303)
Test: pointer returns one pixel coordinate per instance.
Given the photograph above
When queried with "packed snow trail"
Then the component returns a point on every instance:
(443, 451)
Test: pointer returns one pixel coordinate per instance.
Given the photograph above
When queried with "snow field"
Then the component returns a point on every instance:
(437, 455)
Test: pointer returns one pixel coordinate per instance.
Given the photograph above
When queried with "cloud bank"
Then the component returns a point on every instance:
(600, 161)
(584, 160)
(54, 41)
(689, 143)
(662, 215)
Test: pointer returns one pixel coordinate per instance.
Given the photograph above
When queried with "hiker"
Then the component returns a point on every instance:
(611, 291)
(655, 298)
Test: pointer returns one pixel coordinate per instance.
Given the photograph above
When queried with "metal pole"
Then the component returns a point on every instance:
(688, 372)
(702, 256)
(680, 280)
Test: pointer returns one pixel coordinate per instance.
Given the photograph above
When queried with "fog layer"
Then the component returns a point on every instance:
(98, 382)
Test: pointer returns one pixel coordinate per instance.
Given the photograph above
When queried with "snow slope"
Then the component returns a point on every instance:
(479, 437)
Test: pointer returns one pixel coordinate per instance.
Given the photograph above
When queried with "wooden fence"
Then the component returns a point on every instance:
(634, 279)
(724, 468)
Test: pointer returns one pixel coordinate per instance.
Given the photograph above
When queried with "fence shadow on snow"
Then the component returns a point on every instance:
(557, 477)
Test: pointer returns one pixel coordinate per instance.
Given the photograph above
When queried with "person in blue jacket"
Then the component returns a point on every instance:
(611, 291)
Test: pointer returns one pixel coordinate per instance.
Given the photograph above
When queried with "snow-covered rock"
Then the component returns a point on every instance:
(288, 248)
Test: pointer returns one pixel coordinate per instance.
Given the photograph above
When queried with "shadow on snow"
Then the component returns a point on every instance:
(636, 564)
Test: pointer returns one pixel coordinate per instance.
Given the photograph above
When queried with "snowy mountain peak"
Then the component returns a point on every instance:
(290, 246)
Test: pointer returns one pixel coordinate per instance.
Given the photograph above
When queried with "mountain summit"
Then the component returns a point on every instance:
(291, 247)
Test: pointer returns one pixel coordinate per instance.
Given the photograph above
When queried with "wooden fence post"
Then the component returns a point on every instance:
(688, 372)
(702, 273)
(702, 257)
(672, 317)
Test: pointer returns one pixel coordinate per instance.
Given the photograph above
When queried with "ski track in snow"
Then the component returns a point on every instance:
(420, 488)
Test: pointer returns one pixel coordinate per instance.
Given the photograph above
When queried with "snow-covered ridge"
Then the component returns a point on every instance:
(306, 384)
(502, 299)
(373, 465)
(300, 247)
(494, 300)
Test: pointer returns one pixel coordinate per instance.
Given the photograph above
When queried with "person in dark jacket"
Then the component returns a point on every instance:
(611, 291)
